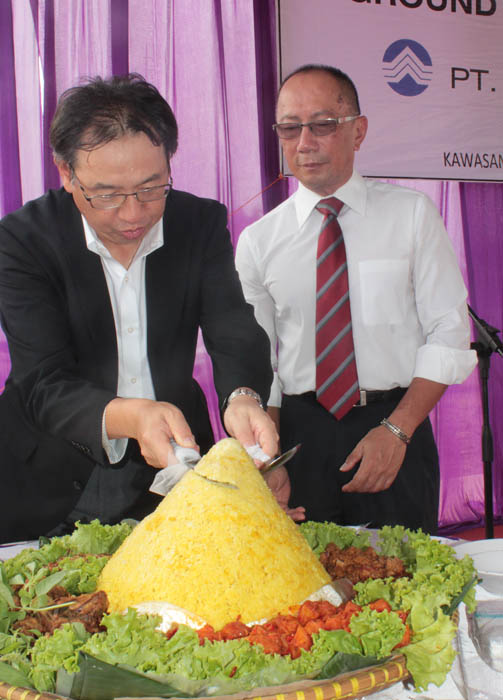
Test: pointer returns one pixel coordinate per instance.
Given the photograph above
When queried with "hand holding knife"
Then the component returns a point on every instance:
(187, 458)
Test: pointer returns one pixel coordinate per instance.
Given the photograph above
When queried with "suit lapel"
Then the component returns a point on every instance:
(167, 283)
(167, 280)
(94, 310)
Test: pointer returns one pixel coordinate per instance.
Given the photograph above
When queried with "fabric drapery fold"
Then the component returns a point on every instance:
(10, 176)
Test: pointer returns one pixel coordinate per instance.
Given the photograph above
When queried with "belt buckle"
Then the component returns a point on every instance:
(363, 398)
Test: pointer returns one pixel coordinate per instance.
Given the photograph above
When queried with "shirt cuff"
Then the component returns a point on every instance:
(115, 449)
(444, 365)
(276, 393)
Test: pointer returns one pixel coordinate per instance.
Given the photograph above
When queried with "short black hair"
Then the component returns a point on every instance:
(90, 115)
(348, 87)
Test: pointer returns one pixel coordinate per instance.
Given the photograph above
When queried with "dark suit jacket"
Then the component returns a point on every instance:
(56, 314)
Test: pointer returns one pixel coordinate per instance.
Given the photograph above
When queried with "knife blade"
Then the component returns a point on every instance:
(282, 459)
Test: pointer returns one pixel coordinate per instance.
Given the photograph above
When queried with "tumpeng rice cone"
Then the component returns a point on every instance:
(218, 553)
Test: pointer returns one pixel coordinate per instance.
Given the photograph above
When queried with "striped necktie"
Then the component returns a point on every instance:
(336, 377)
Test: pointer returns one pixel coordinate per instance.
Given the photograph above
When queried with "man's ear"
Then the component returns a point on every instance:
(66, 174)
(361, 127)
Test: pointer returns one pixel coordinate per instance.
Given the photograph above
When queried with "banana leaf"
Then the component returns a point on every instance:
(449, 610)
(10, 675)
(98, 680)
(342, 663)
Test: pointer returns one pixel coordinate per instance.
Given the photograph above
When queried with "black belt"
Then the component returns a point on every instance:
(367, 397)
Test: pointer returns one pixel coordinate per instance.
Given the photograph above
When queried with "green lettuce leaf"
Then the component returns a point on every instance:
(378, 632)
(319, 535)
(60, 650)
(214, 667)
(88, 538)
(430, 653)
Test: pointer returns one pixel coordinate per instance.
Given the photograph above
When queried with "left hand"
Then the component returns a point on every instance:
(279, 483)
(247, 422)
(381, 455)
(380, 452)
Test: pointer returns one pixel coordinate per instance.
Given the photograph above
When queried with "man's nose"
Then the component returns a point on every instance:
(307, 140)
(131, 208)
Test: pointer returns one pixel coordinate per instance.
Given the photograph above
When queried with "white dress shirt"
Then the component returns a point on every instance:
(126, 289)
(407, 295)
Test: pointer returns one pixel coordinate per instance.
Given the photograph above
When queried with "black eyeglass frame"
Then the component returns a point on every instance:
(107, 197)
(296, 127)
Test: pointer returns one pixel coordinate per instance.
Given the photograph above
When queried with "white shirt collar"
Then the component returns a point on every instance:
(353, 193)
(153, 240)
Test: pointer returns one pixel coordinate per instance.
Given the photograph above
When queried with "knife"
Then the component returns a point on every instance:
(282, 459)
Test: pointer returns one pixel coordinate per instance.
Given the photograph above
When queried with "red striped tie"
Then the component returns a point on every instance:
(336, 377)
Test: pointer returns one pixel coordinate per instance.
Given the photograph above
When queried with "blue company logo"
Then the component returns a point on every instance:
(407, 67)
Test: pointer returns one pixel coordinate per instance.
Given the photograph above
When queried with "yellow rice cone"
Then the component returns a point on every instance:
(217, 552)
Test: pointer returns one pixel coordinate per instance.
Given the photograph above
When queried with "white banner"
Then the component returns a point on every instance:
(429, 74)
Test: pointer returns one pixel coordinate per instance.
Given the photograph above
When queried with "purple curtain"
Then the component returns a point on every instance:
(215, 62)
(9, 146)
(10, 185)
(482, 210)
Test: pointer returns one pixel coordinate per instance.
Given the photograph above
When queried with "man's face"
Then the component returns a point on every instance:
(124, 165)
(323, 163)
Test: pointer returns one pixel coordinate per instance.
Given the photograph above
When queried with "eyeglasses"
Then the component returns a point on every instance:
(320, 127)
(113, 201)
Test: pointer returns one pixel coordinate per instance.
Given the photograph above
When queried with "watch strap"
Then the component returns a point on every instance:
(244, 391)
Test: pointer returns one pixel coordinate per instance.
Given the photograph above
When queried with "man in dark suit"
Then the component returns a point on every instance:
(104, 285)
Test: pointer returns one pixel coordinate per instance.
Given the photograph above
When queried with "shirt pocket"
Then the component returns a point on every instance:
(385, 291)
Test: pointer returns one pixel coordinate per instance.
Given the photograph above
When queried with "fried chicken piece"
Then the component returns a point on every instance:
(360, 564)
(88, 609)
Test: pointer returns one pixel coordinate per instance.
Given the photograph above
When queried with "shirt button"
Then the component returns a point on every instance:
(133, 380)
(126, 279)
(77, 485)
(130, 330)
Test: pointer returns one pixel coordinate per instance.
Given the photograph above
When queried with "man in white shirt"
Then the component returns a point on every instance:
(408, 312)
(104, 286)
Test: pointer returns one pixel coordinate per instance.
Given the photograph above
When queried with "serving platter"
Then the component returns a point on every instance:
(352, 684)
(347, 686)
(487, 556)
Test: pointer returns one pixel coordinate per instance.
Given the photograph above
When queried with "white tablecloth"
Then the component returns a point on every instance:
(10, 550)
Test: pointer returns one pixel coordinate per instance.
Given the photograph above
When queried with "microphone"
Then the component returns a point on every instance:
(487, 334)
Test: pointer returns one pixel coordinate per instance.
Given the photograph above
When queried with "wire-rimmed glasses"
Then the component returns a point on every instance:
(113, 201)
(318, 127)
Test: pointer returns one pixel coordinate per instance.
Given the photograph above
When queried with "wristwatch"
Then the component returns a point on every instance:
(243, 391)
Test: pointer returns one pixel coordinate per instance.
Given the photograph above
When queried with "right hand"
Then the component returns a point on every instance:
(153, 424)
(279, 483)
(246, 421)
